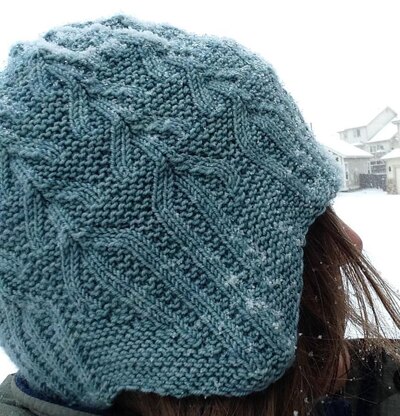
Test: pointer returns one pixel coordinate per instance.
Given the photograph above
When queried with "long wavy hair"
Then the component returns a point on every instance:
(341, 287)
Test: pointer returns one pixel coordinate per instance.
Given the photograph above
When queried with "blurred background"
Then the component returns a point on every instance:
(338, 59)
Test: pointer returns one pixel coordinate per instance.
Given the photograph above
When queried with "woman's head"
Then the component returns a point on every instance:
(158, 188)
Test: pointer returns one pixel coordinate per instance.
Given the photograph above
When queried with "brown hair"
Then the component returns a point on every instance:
(340, 287)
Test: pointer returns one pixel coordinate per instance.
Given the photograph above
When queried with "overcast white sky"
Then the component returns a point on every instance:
(339, 59)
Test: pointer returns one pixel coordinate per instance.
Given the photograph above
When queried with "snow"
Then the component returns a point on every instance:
(343, 148)
(395, 153)
(6, 366)
(386, 133)
(373, 214)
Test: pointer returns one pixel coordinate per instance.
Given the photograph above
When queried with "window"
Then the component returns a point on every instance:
(337, 159)
(358, 132)
(378, 167)
(389, 168)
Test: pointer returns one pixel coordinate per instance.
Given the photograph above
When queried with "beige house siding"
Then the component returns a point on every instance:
(381, 148)
(393, 175)
(354, 134)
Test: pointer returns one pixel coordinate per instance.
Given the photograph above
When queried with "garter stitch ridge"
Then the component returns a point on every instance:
(156, 187)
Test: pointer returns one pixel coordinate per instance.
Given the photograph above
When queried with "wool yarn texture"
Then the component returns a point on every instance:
(156, 188)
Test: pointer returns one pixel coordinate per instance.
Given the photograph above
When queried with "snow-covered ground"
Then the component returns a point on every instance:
(373, 214)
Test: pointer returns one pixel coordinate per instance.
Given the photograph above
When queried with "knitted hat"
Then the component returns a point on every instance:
(156, 188)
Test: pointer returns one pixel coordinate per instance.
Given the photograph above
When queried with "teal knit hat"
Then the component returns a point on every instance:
(156, 188)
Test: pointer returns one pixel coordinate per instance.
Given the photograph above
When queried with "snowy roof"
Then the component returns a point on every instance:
(343, 148)
(386, 133)
(395, 153)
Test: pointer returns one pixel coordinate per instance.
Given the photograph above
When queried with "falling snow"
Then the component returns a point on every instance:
(233, 279)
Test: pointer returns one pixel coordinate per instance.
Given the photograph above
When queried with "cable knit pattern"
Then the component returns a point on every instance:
(156, 188)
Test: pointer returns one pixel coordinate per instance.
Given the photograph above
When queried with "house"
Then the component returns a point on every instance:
(379, 137)
(392, 160)
(382, 143)
(352, 160)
